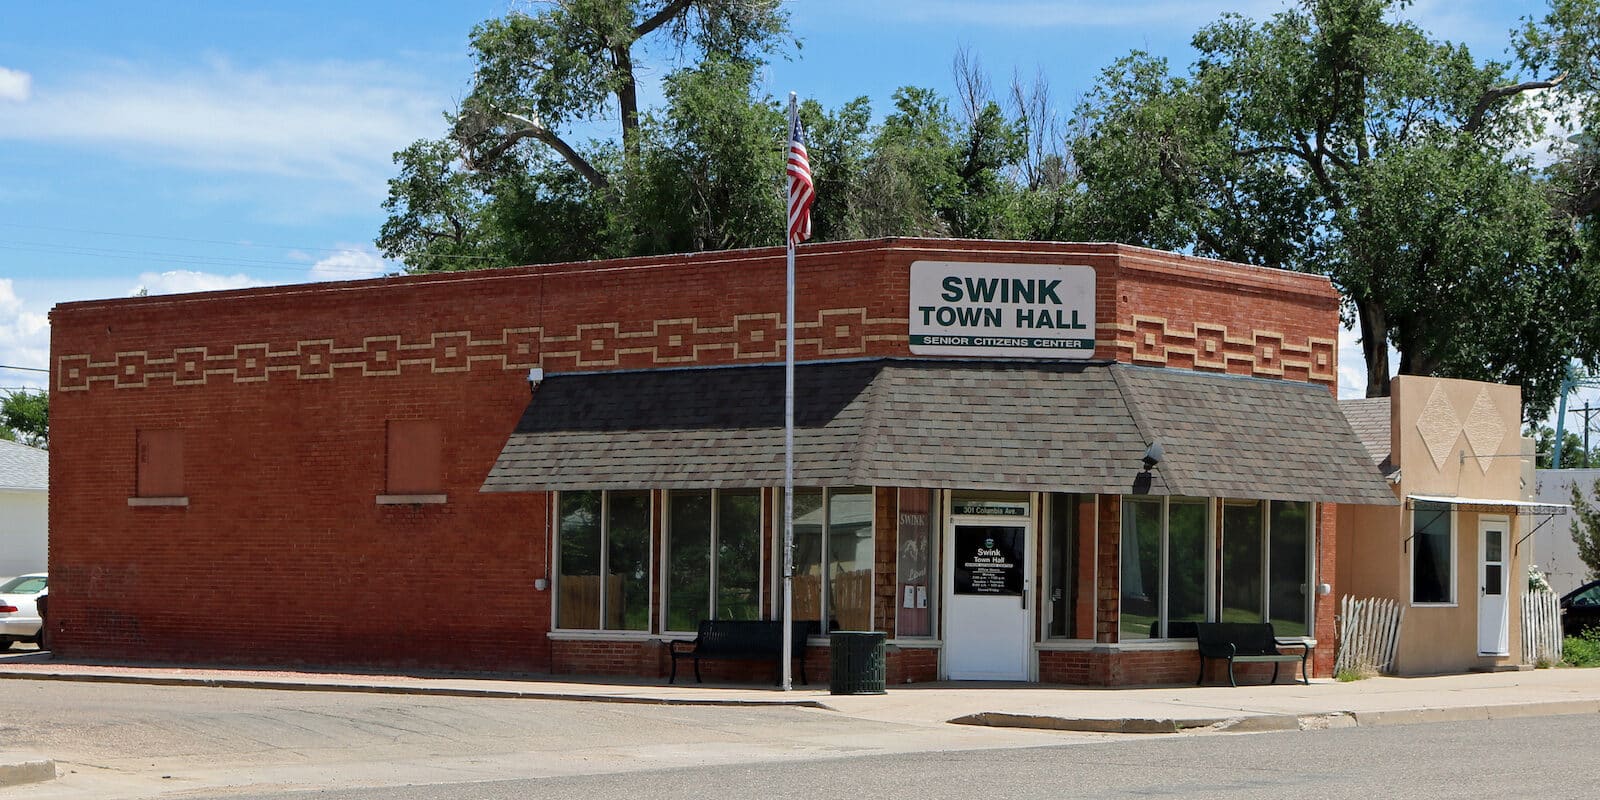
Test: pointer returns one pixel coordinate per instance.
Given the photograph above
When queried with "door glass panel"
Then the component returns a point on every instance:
(989, 560)
(1492, 579)
(1491, 546)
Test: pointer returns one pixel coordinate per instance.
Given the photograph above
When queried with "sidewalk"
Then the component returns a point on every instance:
(1171, 709)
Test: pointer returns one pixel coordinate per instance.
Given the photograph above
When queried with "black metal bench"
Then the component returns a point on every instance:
(1246, 642)
(742, 640)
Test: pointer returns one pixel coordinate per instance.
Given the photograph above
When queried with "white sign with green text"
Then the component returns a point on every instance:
(1007, 310)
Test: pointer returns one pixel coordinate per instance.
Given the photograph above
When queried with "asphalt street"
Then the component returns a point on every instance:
(134, 741)
(1548, 758)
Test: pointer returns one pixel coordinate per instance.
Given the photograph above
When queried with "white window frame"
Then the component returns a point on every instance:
(827, 577)
(1455, 577)
(1312, 510)
(716, 532)
(605, 562)
(1213, 521)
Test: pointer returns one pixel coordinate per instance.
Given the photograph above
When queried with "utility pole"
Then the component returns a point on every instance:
(1588, 413)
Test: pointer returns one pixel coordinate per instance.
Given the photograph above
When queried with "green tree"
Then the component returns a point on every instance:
(1339, 139)
(1586, 528)
(511, 183)
(25, 416)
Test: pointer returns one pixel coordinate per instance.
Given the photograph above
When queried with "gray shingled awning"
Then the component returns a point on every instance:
(940, 424)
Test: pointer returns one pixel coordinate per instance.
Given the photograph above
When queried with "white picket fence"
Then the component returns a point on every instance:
(1369, 634)
(1541, 627)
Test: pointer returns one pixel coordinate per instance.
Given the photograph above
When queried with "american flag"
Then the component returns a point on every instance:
(801, 192)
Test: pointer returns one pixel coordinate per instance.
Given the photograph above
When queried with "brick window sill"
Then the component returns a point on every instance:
(158, 502)
(411, 499)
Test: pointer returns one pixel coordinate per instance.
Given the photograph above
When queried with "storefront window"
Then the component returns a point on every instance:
(1241, 561)
(1266, 564)
(833, 557)
(1071, 568)
(917, 563)
(1186, 566)
(1164, 566)
(739, 554)
(1141, 568)
(1289, 568)
(1431, 546)
(698, 585)
(603, 533)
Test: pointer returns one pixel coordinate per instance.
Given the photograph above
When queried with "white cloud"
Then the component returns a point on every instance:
(179, 281)
(1353, 364)
(351, 264)
(15, 85)
(24, 338)
(334, 122)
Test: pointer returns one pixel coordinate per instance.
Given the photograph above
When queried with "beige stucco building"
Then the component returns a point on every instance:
(1453, 553)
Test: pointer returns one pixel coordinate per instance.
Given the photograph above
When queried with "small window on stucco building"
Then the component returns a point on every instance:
(160, 466)
(414, 463)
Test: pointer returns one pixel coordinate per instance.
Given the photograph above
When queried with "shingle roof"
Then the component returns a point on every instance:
(1369, 418)
(23, 468)
(1252, 438)
(1055, 426)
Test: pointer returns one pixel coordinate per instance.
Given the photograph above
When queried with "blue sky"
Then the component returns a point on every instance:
(182, 146)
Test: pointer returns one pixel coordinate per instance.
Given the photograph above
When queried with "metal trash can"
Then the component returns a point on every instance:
(857, 665)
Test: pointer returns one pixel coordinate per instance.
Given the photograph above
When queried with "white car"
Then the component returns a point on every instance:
(19, 612)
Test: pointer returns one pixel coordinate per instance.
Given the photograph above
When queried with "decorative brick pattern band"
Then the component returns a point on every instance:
(835, 333)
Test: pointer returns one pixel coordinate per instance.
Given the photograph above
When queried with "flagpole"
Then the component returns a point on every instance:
(788, 443)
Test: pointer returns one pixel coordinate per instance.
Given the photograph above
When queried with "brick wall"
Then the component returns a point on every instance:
(283, 395)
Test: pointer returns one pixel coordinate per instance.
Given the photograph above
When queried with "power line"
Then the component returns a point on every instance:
(464, 257)
(23, 369)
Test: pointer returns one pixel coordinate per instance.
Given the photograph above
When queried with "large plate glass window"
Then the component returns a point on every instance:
(603, 553)
(1433, 576)
(1266, 564)
(833, 554)
(713, 556)
(1163, 572)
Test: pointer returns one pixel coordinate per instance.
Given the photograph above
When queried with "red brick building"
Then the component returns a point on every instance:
(366, 473)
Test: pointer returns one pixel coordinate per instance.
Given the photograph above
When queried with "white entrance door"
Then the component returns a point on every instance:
(989, 573)
(1492, 578)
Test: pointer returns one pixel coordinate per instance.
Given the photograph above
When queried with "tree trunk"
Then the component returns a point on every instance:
(627, 101)
(1374, 345)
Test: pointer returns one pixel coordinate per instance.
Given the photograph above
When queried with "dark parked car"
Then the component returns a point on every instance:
(1580, 609)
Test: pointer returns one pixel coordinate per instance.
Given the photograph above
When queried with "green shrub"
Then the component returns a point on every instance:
(1582, 651)
(1349, 674)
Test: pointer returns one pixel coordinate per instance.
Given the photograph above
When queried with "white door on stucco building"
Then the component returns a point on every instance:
(1493, 583)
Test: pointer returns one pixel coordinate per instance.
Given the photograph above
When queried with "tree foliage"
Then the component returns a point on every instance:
(1334, 138)
(25, 418)
(1586, 528)
(1339, 139)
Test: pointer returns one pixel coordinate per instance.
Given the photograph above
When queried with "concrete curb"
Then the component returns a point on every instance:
(18, 769)
(1257, 723)
(434, 691)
